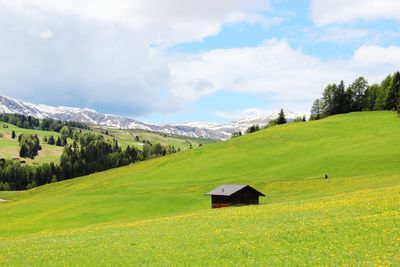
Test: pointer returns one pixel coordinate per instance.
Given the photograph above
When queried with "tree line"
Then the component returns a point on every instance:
(47, 124)
(358, 96)
(88, 153)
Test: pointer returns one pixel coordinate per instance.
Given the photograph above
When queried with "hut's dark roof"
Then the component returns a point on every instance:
(230, 189)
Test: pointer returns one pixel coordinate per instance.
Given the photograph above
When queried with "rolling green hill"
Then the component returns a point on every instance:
(155, 212)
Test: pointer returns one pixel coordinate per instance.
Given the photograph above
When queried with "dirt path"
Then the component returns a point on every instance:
(3, 200)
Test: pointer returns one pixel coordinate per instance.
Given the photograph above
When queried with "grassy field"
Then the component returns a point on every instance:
(127, 137)
(155, 212)
(9, 148)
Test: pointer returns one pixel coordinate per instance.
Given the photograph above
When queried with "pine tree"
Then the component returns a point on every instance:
(316, 110)
(357, 91)
(281, 118)
(393, 92)
(395, 86)
(13, 135)
(327, 100)
(51, 140)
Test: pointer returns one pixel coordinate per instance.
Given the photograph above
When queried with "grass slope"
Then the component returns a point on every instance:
(9, 147)
(155, 212)
(127, 137)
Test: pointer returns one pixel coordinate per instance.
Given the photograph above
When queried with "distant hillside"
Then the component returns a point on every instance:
(90, 116)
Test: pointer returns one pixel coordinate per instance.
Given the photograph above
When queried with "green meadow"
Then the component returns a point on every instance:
(155, 212)
(127, 137)
(9, 147)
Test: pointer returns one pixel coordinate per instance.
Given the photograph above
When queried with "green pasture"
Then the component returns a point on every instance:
(155, 212)
(9, 148)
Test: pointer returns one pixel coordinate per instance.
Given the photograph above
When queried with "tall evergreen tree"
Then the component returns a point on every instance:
(327, 100)
(281, 117)
(356, 94)
(340, 100)
(395, 87)
(371, 96)
(392, 93)
(51, 140)
(58, 142)
(316, 110)
(13, 135)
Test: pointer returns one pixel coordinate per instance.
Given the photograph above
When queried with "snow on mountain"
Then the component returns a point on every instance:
(242, 124)
(90, 116)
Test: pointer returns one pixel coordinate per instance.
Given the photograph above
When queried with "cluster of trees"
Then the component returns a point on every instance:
(29, 122)
(88, 153)
(358, 96)
(21, 121)
(93, 154)
(60, 141)
(253, 128)
(29, 146)
(17, 176)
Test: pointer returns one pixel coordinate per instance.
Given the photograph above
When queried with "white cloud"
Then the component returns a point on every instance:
(167, 21)
(274, 68)
(338, 11)
(46, 34)
(339, 35)
(101, 53)
(244, 113)
(372, 55)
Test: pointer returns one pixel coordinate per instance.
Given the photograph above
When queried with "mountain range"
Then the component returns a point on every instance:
(90, 116)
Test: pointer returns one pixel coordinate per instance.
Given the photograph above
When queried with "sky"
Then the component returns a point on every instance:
(180, 60)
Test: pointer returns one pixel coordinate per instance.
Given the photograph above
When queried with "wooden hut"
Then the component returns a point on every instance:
(234, 195)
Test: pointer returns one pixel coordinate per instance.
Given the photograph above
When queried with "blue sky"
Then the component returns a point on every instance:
(209, 61)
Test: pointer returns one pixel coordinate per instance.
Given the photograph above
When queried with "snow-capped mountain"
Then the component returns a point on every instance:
(242, 124)
(90, 116)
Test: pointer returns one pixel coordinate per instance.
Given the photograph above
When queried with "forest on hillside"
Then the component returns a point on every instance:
(358, 96)
(85, 153)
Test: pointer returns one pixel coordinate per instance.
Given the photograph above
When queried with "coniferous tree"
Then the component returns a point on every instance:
(371, 97)
(13, 135)
(281, 117)
(327, 100)
(64, 132)
(395, 87)
(51, 140)
(58, 142)
(253, 128)
(316, 110)
(340, 100)
(392, 91)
